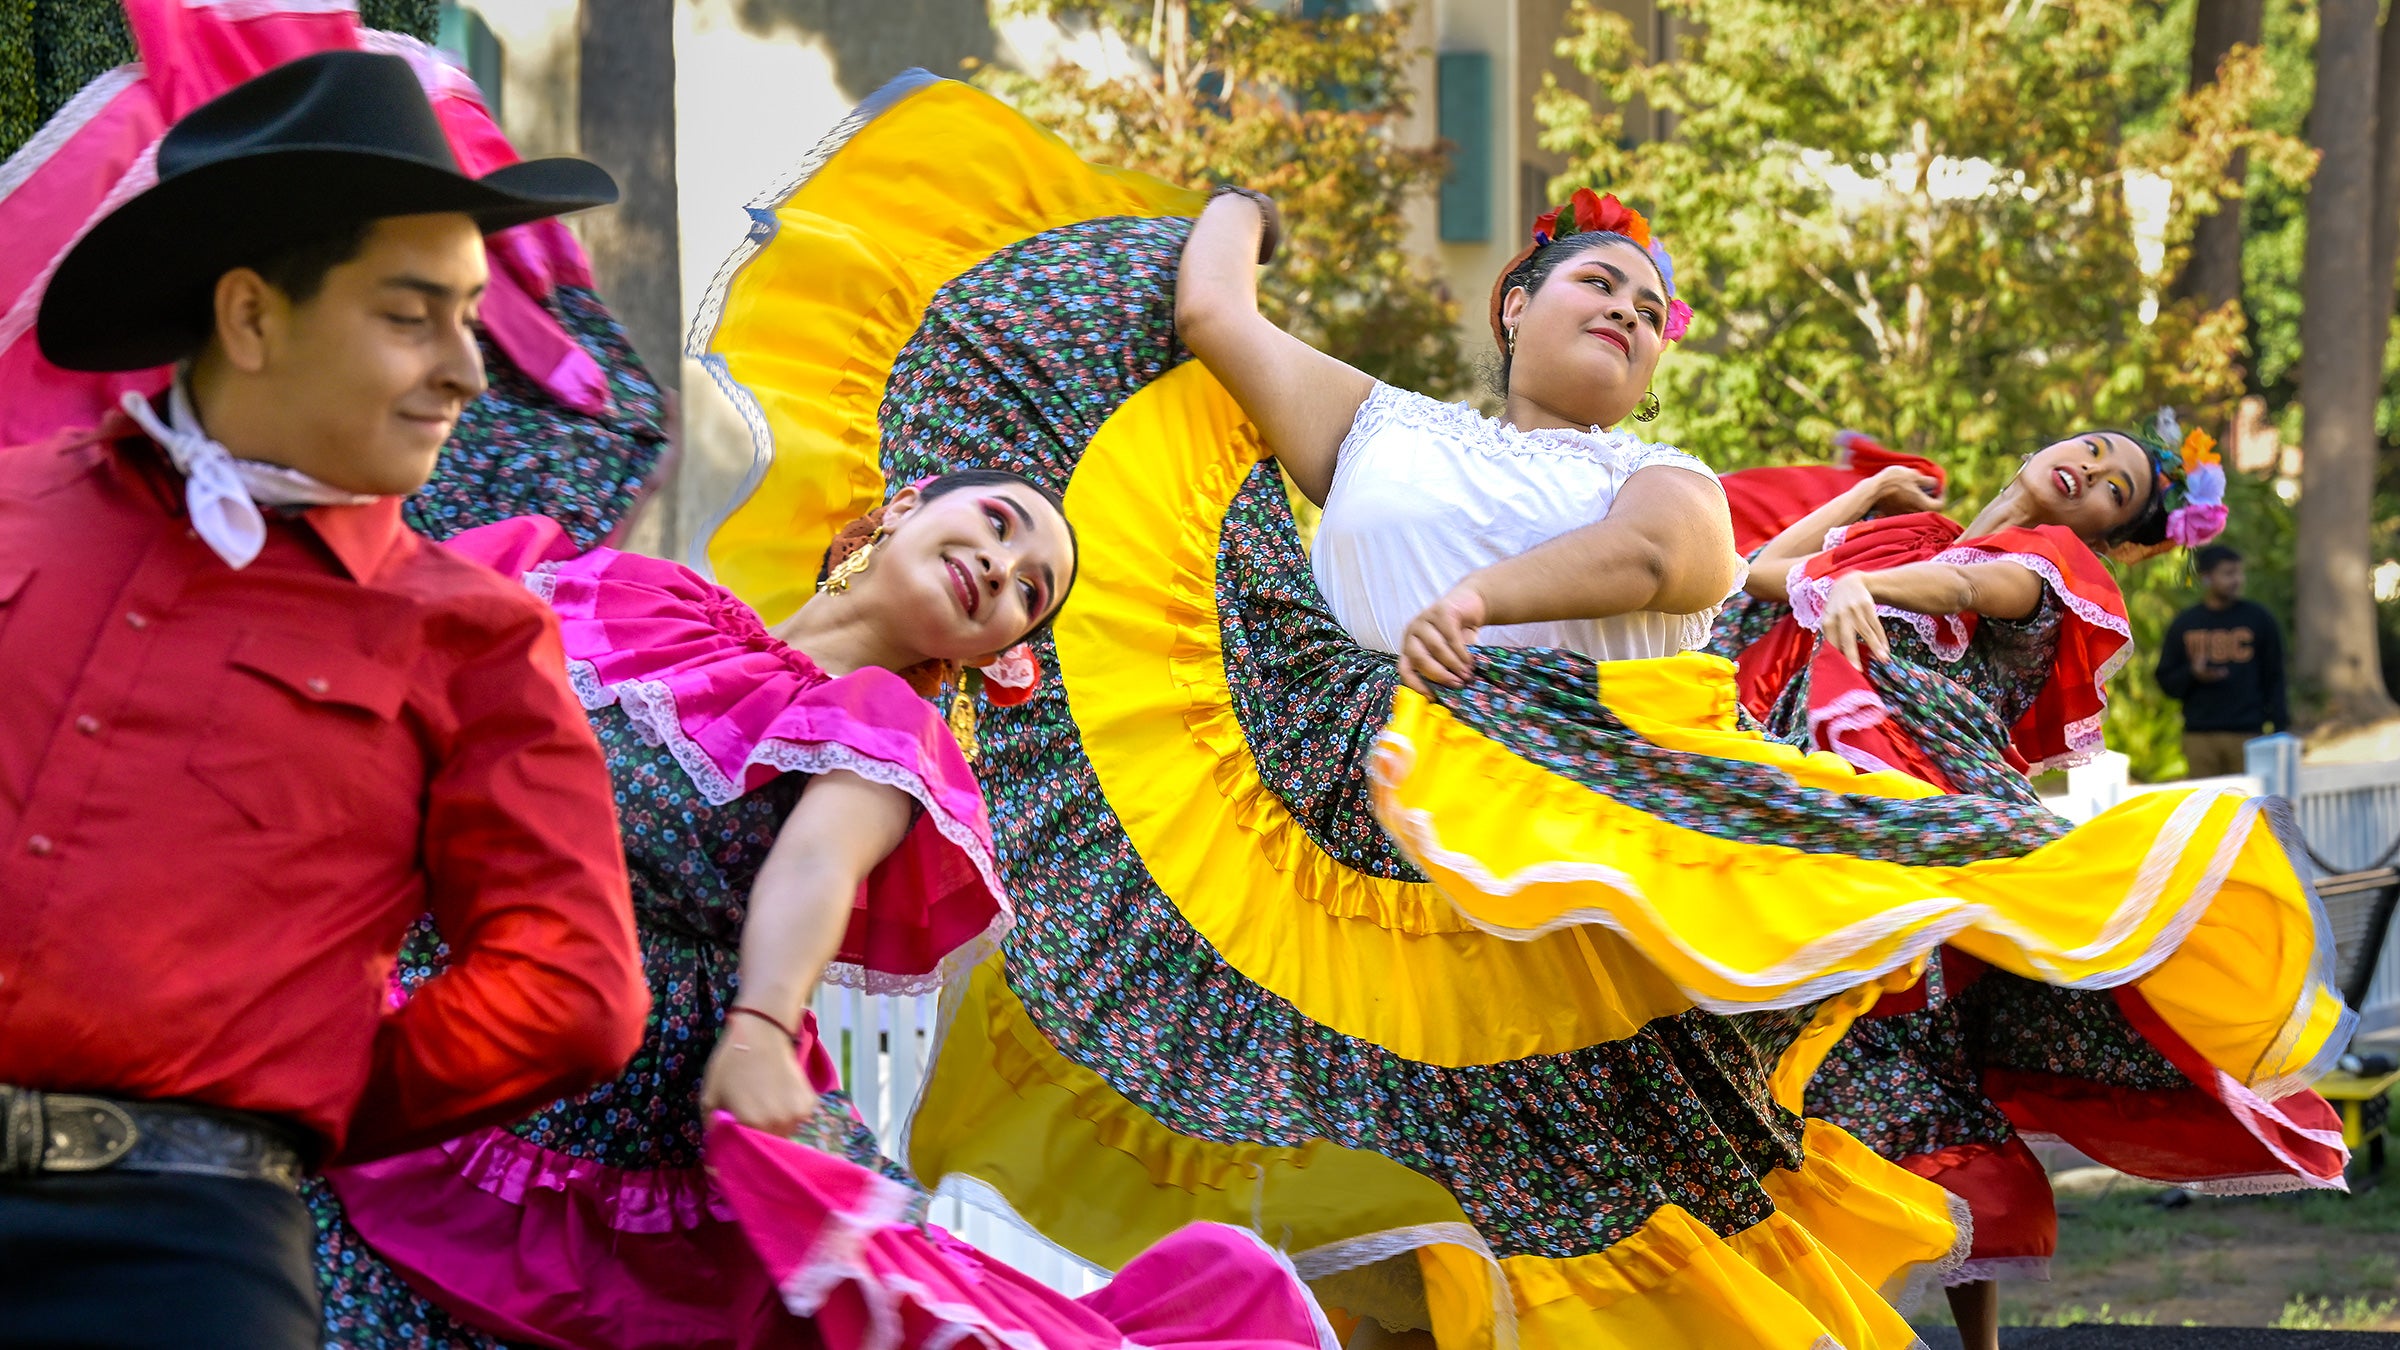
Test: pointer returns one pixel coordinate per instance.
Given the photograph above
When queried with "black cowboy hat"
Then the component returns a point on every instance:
(301, 152)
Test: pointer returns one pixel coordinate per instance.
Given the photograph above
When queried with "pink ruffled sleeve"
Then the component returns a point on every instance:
(696, 672)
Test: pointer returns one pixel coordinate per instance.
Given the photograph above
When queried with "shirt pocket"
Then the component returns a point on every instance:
(306, 738)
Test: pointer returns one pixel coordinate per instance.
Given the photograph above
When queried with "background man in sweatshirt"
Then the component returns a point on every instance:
(2223, 658)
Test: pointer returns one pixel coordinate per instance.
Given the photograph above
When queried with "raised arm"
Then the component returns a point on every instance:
(1896, 488)
(1666, 545)
(1301, 400)
(799, 909)
(1851, 626)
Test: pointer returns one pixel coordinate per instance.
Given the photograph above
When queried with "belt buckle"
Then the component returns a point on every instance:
(62, 1132)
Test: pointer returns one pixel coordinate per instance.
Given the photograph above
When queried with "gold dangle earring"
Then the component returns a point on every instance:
(1512, 344)
(847, 571)
(1648, 411)
(962, 720)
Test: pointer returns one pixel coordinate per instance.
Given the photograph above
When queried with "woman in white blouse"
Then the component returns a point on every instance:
(1545, 527)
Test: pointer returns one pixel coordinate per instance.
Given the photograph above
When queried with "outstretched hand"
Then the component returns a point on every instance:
(1851, 626)
(754, 1074)
(1434, 646)
(1900, 490)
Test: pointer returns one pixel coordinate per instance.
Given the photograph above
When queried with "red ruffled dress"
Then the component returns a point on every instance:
(1951, 1077)
(622, 1218)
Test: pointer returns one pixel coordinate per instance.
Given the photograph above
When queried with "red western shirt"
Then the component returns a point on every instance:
(225, 795)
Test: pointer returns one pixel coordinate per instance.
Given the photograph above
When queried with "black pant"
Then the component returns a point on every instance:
(135, 1260)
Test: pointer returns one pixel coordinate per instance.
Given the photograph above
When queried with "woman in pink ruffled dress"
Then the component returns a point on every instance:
(793, 809)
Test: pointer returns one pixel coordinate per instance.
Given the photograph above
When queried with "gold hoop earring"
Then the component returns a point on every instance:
(1512, 344)
(1648, 411)
(847, 571)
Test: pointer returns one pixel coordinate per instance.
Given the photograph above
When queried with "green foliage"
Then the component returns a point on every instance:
(1304, 107)
(1950, 223)
(2351, 1314)
(51, 49)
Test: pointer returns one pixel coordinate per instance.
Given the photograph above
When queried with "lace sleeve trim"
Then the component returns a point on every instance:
(2084, 737)
(1384, 405)
(1652, 456)
(650, 707)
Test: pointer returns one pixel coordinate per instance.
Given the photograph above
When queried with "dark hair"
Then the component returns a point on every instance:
(942, 485)
(1533, 273)
(2150, 526)
(298, 270)
(2212, 557)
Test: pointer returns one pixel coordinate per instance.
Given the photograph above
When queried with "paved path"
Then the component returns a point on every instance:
(2170, 1338)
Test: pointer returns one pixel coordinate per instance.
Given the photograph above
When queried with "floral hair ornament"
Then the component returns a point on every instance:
(1587, 211)
(2192, 477)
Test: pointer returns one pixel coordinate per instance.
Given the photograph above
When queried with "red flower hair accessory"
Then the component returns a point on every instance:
(1585, 212)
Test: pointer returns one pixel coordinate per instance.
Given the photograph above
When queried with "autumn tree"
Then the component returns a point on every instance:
(1304, 102)
(1919, 218)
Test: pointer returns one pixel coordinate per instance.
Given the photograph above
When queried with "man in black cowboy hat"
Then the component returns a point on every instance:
(255, 728)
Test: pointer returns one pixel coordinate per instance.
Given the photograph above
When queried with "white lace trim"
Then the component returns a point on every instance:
(965, 957)
(1948, 638)
(1990, 1268)
(1387, 405)
(1943, 633)
(2265, 1183)
(650, 706)
(1917, 1281)
(835, 1257)
(1854, 710)
(139, 177)
(63, 124)
(2248, 1107)
(2083, 736)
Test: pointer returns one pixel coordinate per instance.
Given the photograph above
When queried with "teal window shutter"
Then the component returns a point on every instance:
(1463, 95)
(462, 32)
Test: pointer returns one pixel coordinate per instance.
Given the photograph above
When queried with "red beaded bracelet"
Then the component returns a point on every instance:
(788, 1033)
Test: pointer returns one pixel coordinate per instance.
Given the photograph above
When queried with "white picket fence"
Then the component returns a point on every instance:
(884, 1046)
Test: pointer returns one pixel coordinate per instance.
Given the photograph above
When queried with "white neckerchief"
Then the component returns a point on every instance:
(222, 493)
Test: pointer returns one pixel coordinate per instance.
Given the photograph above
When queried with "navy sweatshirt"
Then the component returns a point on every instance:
(2243, 641)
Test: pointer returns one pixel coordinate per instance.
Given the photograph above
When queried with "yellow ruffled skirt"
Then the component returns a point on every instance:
(1228, 996)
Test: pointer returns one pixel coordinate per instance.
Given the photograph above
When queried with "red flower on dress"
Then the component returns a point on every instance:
(1012, 677)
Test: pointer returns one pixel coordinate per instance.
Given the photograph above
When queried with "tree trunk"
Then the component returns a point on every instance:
(625, 121)
(2387, 173)
(2214, 273)
(2339, 672)
(625, 117)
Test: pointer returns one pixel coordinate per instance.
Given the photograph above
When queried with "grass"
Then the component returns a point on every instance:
(1937, 1313)
(2323, 1314)
(2128, 1255)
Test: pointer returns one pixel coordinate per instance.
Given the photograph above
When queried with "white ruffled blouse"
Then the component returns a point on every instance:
(1425, 492)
